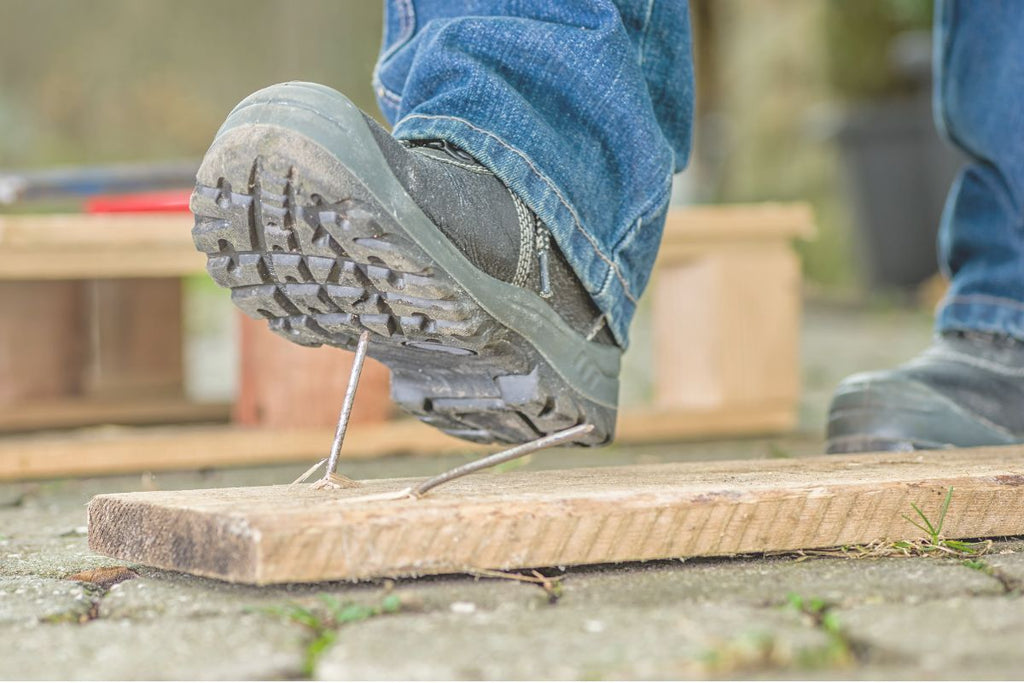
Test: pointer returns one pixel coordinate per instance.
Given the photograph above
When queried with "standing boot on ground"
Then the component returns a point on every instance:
(967, 389)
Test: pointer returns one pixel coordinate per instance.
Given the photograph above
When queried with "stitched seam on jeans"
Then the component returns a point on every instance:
(605, 284)
(986, 300)
(407, 22)
(643, 31)
(547, 181)
(652, 204)
(384, 92)
(407, 25)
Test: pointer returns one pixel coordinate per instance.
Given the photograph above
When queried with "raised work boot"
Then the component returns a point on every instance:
(966, 389)
(323, 224)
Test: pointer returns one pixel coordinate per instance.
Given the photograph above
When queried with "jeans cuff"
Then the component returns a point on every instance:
(982, 313)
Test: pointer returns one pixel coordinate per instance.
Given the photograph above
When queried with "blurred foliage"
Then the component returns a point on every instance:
(859, 35)
(112, 80)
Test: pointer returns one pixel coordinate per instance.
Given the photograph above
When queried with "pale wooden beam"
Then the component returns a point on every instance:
(91, 452)
(65, 246)
(280, 534)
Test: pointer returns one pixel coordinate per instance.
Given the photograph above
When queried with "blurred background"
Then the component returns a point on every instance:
(826, 102)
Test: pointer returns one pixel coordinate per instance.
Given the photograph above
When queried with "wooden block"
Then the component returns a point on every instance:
(280, 534)
(286, 386)
(61, 247)
(136, 338)
(41, 350)
(726, 329)
(726, 305)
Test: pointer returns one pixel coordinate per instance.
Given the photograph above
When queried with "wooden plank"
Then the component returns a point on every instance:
(126, 449)
(59, 246)
(280, 534)
(82, 412)
(67, 246)
(95, 231)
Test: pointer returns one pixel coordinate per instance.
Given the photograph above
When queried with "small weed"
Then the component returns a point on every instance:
(980, 566)
(776, 452)
(933, 545)
(934, 531)
(753, 651)
(837, 651)
(935, 539)
(325, 622)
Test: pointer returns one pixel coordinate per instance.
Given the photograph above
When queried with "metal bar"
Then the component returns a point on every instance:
(346, 406)
(71, 181)
(504, 456)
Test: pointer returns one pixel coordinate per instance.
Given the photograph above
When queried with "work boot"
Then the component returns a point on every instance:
(323, 224)
(966, 389)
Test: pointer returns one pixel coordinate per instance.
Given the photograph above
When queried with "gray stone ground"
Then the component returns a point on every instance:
(746, 617)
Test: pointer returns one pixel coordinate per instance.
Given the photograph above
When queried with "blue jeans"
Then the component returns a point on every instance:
(979, 105)
(585, 107)
(582, 107)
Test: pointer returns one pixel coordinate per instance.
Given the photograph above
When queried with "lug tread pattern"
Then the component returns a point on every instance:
(320, 272)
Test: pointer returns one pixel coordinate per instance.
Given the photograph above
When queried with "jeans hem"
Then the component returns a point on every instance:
(981, 313)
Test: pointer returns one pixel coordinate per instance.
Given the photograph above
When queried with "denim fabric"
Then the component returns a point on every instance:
(583, 107)
(979, 105)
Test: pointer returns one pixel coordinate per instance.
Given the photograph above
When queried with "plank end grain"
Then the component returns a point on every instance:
(214, 546)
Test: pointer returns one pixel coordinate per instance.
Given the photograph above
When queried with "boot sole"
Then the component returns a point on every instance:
(302, 219)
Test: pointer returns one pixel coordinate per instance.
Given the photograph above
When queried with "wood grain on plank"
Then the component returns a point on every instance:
(277, 534)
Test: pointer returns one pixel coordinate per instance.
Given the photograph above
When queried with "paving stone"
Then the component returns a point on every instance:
(237, 647)
(959, 637)
(38, 520)
(561, 642)
(1010, 565)
(770, 581)
(52, 557)
(27, 600)
(158, 594)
